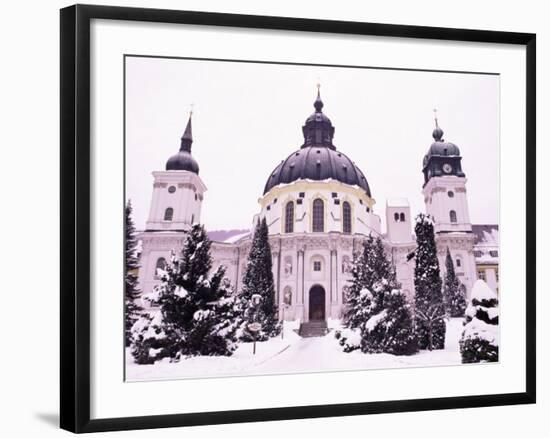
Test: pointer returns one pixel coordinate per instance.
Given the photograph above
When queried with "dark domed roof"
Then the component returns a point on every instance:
(318, 158)
(183, 160)
(440, 146)
(317, 163)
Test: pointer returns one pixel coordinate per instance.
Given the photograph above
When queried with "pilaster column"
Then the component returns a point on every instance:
(299, 277)
(334, 276)
(276, 279)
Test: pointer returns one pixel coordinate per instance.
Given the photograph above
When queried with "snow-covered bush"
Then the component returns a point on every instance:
(147, 338)
(349, 339)
(480, 337)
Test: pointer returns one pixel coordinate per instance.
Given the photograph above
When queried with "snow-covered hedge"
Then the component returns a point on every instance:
(480, 337)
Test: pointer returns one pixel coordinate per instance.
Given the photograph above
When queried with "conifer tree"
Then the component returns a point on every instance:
(370, 267)
(429, 307)
(378, 309)
(358, 303)
(480, 337)
(453, 296)
(391, 330)
(258, 280)
(197, 314)
(131, 293)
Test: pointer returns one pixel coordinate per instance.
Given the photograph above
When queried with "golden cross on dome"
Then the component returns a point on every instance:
(435, 117)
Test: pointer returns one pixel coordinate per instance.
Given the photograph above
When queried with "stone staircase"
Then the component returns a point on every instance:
(312, 329)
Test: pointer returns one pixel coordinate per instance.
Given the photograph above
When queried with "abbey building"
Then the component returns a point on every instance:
(319, 207)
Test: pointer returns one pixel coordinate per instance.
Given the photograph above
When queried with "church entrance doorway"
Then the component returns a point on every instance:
(317, 303)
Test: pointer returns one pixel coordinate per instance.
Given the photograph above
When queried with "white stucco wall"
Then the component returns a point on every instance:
(332, 193)
(180, 190)
(443, 194)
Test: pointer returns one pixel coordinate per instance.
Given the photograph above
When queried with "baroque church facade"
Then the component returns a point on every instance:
(319, 208)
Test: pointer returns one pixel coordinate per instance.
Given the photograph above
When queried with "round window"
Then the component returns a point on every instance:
(450, 194)
(171, 189)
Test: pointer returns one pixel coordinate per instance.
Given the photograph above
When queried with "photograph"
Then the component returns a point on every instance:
(290, 218)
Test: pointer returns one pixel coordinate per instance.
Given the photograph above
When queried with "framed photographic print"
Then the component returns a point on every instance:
(288, 218)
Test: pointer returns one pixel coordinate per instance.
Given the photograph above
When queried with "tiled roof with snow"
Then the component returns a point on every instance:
(227, 236)
(486, 234)
(486, 246)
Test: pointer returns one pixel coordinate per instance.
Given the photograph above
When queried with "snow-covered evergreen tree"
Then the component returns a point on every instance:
(453, 296)
(376, 307)
(258, 280)
(480, 338)
(355, 298)
(429, 307)
(196, 315)
(391, 330)
(131, 308)
(370, 267)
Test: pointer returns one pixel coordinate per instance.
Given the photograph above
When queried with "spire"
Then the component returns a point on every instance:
(318, 129)
(187, 137)
(437, 133)
(318, 104)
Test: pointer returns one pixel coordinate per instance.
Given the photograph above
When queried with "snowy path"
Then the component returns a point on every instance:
(294, 354)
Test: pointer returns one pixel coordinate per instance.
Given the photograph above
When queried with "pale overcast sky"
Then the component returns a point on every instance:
(248, 117)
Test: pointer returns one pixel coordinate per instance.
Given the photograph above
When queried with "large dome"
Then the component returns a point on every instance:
(318, 158)
(317, 163)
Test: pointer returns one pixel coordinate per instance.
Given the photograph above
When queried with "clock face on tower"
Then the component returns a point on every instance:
(447, 168)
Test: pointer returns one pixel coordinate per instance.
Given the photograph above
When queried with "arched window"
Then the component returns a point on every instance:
(346, 217)
(318, 223)
(402, 217)
(396, 217)
(160, 266)
(168, 214)
(452, 216)
(289, 217)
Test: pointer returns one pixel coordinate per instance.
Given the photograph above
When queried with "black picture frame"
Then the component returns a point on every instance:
(75, 217)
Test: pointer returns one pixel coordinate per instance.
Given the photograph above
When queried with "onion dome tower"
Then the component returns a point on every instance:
(317, 159)
(177, 191)
(444, 186)
(442, 158)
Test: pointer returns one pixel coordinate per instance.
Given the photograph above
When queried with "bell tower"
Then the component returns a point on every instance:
(177, 191)
(175, 205)
(445, 186)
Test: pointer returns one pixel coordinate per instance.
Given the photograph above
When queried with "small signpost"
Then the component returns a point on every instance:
(254, 327)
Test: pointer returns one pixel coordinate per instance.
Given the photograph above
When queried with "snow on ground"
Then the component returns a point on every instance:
(293, 354)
